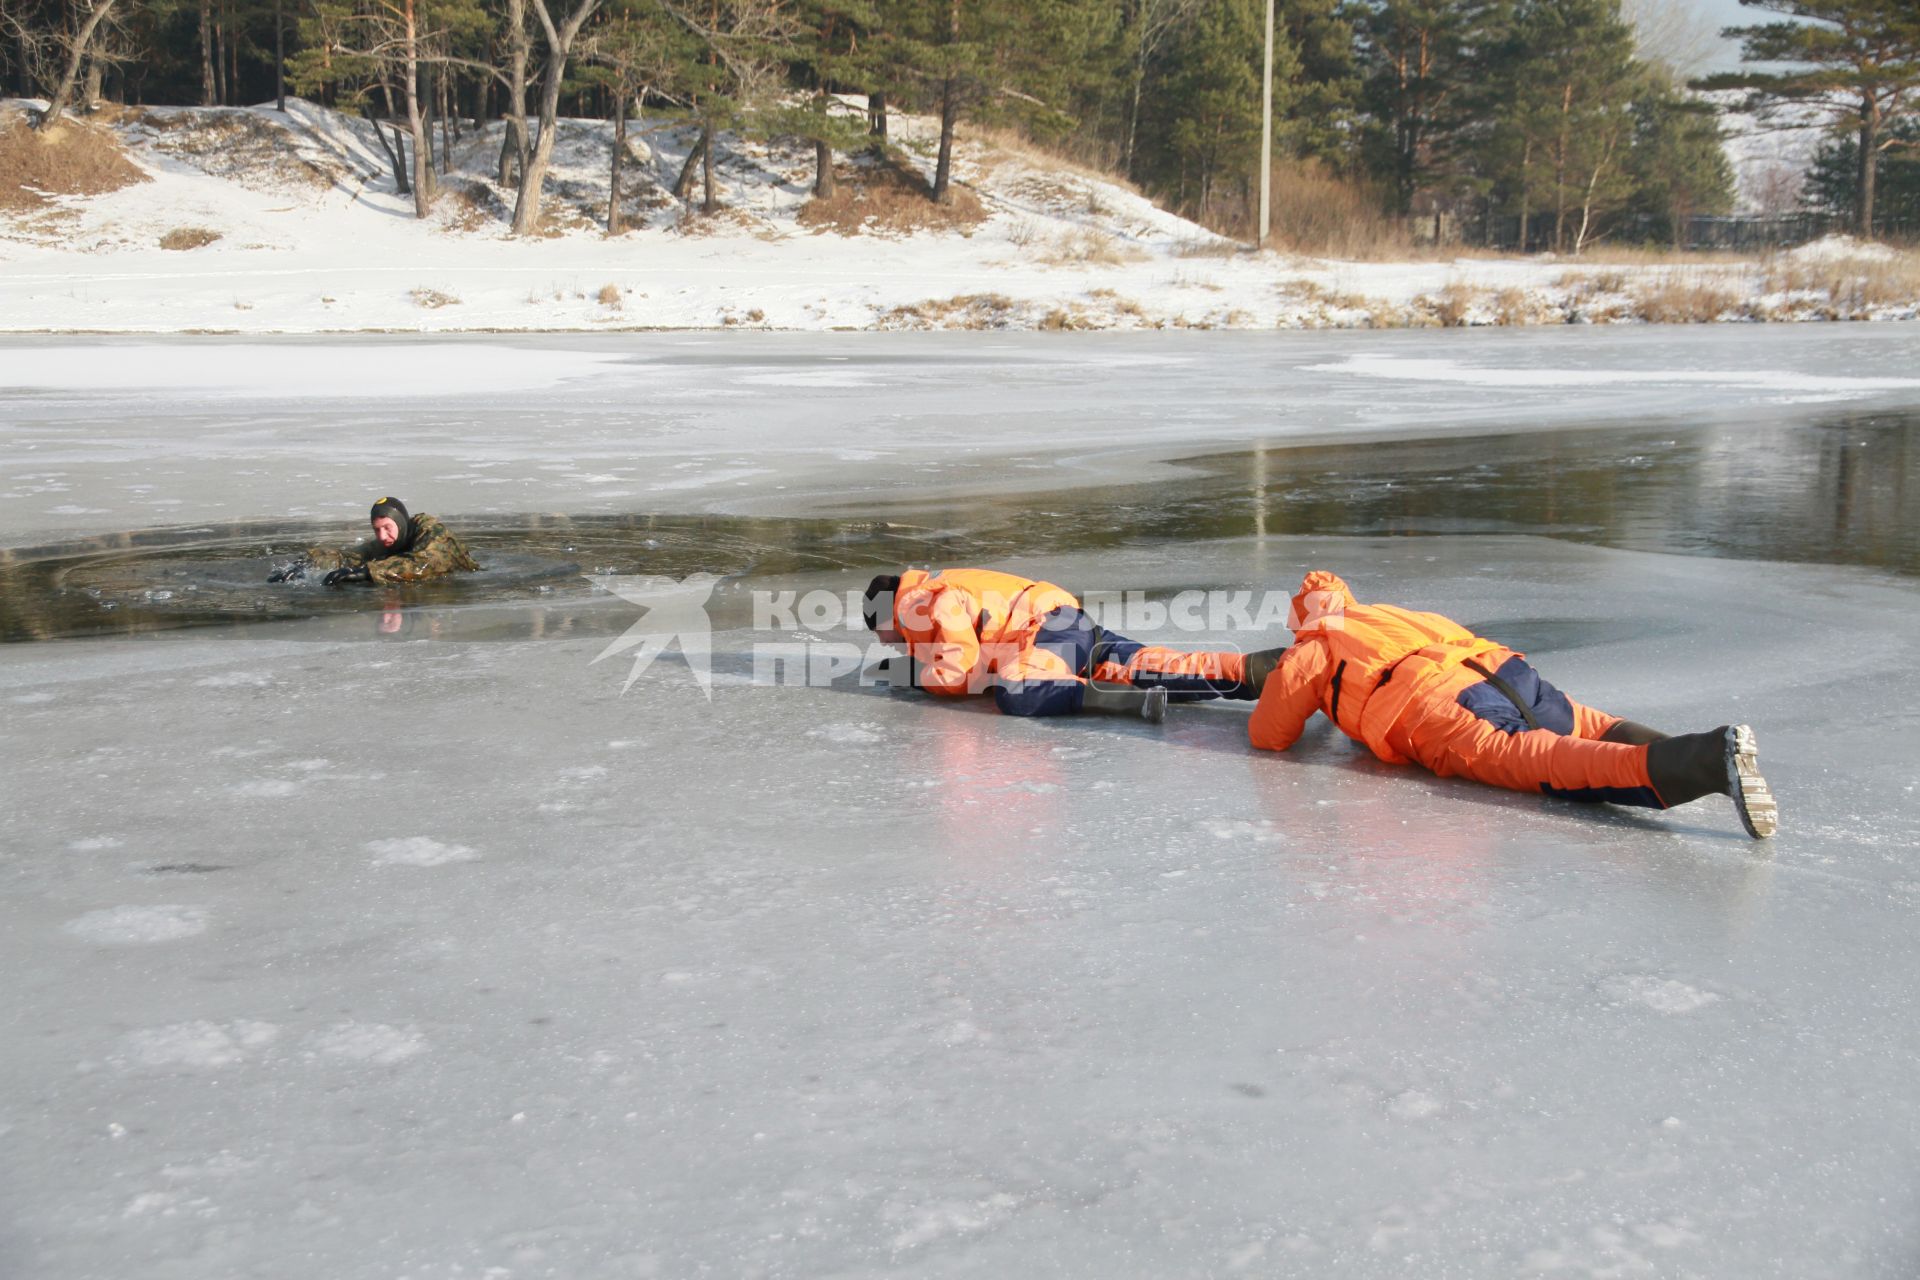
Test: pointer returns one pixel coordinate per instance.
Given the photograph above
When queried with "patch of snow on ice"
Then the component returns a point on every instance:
(1662, 995)
(200, 1044)
(370, 1042)
(847, 735)
(418, 851)
(132, 926)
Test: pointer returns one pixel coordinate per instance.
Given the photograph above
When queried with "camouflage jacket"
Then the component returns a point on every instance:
(433, 553)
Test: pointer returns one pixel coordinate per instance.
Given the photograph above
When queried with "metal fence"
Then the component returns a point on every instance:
(1734, 233)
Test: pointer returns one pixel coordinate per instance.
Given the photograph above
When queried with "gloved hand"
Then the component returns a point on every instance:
(288, 573)
(340, 577)
(900, 672)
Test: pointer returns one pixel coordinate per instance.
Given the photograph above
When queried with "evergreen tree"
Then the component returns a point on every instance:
(1414, 58)
(1206, 133)
(1566, 81)
(1833, 182)
(1678, 164)
(1854, 62)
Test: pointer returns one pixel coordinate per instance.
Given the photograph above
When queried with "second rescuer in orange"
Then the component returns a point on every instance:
(1420, 687)
(1035, 648)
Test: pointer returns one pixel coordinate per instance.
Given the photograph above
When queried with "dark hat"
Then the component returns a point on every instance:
(871, 607)
(396, 511)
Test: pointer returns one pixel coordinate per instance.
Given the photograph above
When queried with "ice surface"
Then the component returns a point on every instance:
(335, 957)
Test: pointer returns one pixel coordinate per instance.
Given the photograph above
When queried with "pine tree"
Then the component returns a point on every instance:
(1833, 181)
(1678, 164)
(1854, 62)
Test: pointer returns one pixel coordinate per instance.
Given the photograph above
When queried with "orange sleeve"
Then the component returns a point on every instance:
(947, 661)
(1289, 698)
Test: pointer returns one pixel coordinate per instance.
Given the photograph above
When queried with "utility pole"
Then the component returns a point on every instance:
(1266, 141)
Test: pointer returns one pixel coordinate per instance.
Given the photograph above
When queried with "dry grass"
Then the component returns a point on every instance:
(1220, 248)
(474, 206)
(1683, 298)
(71, 159)
(432, 299)
(1118, 305)
(1087, 246)
(230, 143)
(609, 296)
(997, 147)
(963, 311)
(1851, 285)
(182, 238)
(1320, 213)
(888, 198)
(1451, 309)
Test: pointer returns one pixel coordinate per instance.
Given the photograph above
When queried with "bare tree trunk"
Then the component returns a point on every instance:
(526, 205)
(877, 118)
(949, 116)
(1139, 80)
(90, 94)
(396, 158)
(1869, 168)
(709, 201)
(1526, 193)
(823, 187)
(206, 53)
(514, 143)
(619, 156)
(416, 126)
(446, 130)
(280, 56)
(63, 89)
(221, 95)
(683, 185)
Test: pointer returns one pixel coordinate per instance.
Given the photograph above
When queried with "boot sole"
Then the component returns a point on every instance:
(1752, 798)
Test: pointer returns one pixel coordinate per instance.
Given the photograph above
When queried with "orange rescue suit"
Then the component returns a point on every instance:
(1394, 679)
(963, 625)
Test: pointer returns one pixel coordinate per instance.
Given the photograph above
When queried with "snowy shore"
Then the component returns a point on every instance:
(289, 224)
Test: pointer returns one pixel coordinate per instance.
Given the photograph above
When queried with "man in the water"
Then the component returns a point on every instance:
(1419, 687)
(403, 548)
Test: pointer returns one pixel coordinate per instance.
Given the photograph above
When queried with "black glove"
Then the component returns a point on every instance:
(340, 577)
(900, 672)
(288, 573)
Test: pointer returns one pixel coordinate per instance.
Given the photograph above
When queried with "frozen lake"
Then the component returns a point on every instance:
(365, 935)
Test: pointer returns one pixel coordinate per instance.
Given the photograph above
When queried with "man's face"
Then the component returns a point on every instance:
(387, 530)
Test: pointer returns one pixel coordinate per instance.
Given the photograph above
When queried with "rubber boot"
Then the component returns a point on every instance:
(1260, 665)
(1724, 761)
(1633, 734)
(1149, 704)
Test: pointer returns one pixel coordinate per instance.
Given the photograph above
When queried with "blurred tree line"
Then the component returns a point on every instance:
(1443, 115)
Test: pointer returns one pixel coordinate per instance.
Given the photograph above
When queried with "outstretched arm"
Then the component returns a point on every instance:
(1290, 697)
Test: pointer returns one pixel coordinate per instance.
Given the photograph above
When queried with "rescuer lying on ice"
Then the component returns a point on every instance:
(1417, 686)
(971, 630)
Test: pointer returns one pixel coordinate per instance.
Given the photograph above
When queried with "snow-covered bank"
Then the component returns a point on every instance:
(289, 224)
